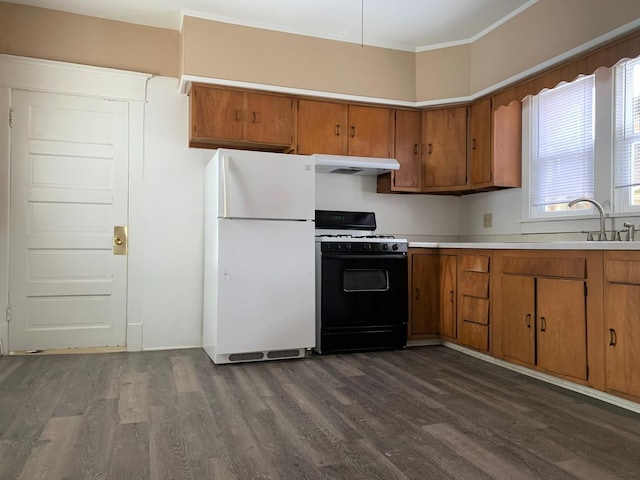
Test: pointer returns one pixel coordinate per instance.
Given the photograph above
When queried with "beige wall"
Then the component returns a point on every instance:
(53, 35)
(232, 52)
(443, 73)
(543, 31)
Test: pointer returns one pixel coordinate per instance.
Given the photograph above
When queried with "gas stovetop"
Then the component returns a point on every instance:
(352, 237)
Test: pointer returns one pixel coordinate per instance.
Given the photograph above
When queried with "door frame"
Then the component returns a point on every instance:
(73, 79)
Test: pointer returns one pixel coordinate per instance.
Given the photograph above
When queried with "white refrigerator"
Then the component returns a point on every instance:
(259, 281)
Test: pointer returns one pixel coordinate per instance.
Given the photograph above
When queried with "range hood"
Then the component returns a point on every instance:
(354, 165)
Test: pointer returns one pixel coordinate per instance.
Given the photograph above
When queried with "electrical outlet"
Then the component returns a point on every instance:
(487, 220)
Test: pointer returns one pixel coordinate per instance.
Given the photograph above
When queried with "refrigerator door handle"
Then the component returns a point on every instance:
(225, 185)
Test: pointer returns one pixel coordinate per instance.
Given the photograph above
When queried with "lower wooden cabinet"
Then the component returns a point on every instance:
(432, 294)
(540, 314)
(622, 323)
(473, 300)
(424, 294)
(448, 301)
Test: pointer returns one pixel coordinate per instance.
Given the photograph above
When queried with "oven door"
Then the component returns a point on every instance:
(364, 302)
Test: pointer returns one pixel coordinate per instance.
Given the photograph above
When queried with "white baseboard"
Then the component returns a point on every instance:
(574, 387)
(179, 347)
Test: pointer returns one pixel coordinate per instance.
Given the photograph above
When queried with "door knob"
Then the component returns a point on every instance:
(120, 240)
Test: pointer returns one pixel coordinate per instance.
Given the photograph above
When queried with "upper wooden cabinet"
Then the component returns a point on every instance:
(223, 117)
(322, 127)
(480, 138)
(495, 145)
(342, 129)
(444, 166)
(370, 131)
(408, 152)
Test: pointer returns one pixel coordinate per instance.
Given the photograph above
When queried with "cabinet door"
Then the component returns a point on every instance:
(370, 131)
(622, 320)
(507, 146)
(518, 311)
(216, 113)
(425, 300)
(445, 139)
(448, 275)
(408, 151)
(269, 119)
(481, 165)
(562, 326)
(322, 127)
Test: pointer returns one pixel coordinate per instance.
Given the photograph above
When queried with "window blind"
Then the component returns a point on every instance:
(562, 160)
(627, 131)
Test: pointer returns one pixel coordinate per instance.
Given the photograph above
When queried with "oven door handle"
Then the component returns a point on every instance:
(357, 256)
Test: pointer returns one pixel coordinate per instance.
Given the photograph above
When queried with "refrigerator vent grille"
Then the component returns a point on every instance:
(283, 353)
(246, 357)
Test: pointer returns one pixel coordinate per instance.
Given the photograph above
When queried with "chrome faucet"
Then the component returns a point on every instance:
(603, 234)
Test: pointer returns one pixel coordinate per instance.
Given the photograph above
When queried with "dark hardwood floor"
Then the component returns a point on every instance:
(422, 413)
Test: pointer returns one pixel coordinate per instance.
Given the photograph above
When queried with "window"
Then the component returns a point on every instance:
(562, 147)
(627, 136)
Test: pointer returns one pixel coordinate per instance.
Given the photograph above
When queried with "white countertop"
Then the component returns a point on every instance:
(583, 245)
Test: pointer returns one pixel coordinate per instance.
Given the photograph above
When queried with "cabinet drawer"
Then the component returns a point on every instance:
(474, 335)
(546, 266)
(474, 284)
(474, 310)
(474, 263)
(622, 271)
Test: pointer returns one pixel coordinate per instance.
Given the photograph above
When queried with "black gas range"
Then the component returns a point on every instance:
(361, 284)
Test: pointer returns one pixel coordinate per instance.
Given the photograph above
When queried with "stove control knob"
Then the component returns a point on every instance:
(347, 246)
(385, 246)
(395, 246)
(338, 246)
(367, 246)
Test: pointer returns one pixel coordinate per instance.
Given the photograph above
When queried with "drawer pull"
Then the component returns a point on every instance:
(613, 339)
(528, 320)
(543, 324)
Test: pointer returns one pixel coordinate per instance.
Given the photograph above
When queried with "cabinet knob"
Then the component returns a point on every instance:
(417, 293)
(430, 148)
(528, 320)
(451, 295)
(353, 131)
(337, 130)
(415, 148)
(237, 115)
(543, 324)
(255, 117)
(473, 144)
(613, 338)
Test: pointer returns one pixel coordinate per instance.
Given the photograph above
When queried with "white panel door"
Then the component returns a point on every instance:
(69, 188)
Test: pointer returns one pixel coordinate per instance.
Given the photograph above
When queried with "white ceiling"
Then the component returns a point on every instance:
(412, 25)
